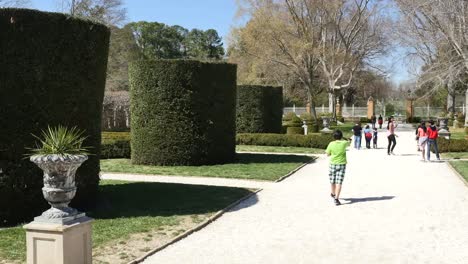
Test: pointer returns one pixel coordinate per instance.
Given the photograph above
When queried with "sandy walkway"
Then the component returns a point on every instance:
(398, 210)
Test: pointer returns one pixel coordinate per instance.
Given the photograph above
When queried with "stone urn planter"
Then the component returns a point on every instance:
(59, 186)
(326, 125)
(443, 122)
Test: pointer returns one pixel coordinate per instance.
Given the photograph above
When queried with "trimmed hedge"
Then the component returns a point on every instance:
(52, 71)
(115, 145)
(452, 145)
(320, 141)
(295, 131)
(259, 109)
(182, 112)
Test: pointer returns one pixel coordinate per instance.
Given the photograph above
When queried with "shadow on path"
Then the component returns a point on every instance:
(367, 199)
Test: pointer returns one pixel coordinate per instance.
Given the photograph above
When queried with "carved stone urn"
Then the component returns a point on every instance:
(59, 186)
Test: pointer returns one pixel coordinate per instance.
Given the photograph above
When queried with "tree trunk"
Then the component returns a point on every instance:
(451, 102)
(330, 102)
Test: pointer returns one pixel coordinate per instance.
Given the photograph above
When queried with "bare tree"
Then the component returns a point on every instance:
(282, 34)
(351, 34)
(437, 32)
(109, 12)
(14, 3)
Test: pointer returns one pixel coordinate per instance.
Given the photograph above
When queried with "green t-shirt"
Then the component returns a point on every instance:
(337, 151)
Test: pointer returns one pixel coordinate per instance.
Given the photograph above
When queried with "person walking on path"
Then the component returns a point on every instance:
(368, 136)
(432, 135)
(380, 121)
(357, 130)
(417, 136)
(374, 137)
(373, 121)
(422, 139)
(391, 135)
(337, 152)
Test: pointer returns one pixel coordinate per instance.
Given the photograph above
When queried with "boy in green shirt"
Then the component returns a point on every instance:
(337, 150)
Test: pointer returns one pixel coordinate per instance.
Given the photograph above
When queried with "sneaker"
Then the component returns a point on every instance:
(337, 202)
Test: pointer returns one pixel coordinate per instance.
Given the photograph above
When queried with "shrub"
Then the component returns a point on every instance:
(452, 145)
(295, 131)
(182, 112)
(259, 109)
(295, 121)
(310, 141)
(364, 120)
(289, 116)
(115, 149)
(415, 120)
(52, 72)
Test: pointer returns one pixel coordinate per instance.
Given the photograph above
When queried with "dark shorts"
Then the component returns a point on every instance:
(337, 173)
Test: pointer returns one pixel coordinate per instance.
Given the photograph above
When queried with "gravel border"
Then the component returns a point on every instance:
(195, 229)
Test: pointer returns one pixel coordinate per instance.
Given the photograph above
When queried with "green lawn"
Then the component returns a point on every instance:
(268, 167)
(462, 167)
(457, 133)
(455, 155)
(126, 208)
(247, 148)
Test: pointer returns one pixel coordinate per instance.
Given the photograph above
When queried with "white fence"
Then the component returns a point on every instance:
(359, 111)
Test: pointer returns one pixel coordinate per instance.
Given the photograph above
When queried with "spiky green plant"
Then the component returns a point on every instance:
(60, 140)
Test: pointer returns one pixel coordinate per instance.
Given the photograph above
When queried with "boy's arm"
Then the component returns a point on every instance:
(328, 150)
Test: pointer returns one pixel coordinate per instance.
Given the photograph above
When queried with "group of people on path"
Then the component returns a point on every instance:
(426, 136)
(370, 134)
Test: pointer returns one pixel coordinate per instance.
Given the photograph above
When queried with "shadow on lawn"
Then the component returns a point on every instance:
(246, 158)
(124, 199)
(367, 199)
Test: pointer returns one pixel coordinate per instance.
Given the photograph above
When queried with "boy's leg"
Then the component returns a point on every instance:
(333, 188)
(337, 191)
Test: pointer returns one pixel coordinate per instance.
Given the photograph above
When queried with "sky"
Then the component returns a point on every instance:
(201, 14)
(211, 14)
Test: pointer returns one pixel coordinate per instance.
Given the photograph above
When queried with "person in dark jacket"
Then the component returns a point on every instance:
(373, 121)
(432, 135)
(357, 130)
(380, 121)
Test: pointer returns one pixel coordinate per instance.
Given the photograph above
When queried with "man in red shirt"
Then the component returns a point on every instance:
(432, 135)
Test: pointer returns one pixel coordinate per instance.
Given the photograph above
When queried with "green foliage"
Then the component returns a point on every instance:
(204, 44)
(115, 149)
(309, 141)
(160, 41)
(289, 116)
(415, 120)
(62, 141)
(182, 112)
(452, 145)
(52, 71)
(389, 109)
(295, 131)
(259, 109)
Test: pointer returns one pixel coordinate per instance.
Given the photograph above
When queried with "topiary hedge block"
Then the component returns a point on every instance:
(310, 141)
(52, 71)
(182, 112)
(259, 109)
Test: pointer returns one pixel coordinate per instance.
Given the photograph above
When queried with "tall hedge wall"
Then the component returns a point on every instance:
(52, 71)
(259, 109)
(182, 112)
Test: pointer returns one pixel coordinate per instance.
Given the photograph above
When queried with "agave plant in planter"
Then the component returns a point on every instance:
(59, 154)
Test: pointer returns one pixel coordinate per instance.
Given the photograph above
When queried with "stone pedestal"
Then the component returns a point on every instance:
(338, 109)
(52, 243)
(370, 107)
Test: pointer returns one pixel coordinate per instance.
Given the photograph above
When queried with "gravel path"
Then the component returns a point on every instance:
(396, 209)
